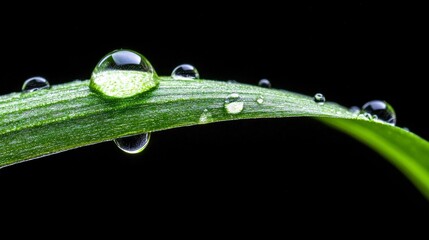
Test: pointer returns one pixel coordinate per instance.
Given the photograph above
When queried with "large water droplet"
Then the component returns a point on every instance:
(205, 117)
(185, 72)
(382, 110)
(234, 104)
(265, 83)
(133, 144)
(34, 84)
(123, 73)
(319, 98)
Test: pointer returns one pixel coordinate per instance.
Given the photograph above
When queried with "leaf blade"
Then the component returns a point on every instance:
(70, 116)
(405, 150)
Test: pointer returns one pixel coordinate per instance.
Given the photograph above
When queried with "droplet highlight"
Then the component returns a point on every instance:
(368, 116)
(133, 144)
(260, 100)
(265, 83)
(319, 98)
(205, 117)
(34, 84)
(185, 72)
(234, 104)
(381, 110)
(122, 74)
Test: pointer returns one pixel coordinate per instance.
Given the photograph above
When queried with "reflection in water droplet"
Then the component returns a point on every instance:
(265, 83)
(133, 144)
(123, 73)
(319, 98)
(34, 84)
(205, 117)
(381, 110)
(234, 104)
(260, 100)
(185, 72)
(367, 116)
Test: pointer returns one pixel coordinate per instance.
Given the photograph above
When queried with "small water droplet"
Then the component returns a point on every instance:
(265, 83)
(133, 144)
(232, 81)
(260, 100)
(382, 110)
(406, 129)
(185, 72)
(205, 117)
(319, 98)
(234, 104)
(354, 109)
(34, 84)
(123, 73)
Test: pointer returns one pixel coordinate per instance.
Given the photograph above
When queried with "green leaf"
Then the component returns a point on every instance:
(69, 115)
(407, 151)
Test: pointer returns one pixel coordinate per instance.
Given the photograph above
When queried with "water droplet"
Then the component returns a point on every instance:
(319, 98)
(354, 109)
(123, 73)
(260, 100)
(232, 81)
(133, 144)
(406, 129)
(34, 84)
(382, 110)
(185, 72)
(205, 117)
(234, 104)
(265, 83)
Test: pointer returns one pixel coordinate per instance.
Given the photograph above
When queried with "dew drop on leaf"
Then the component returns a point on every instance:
(123, 73)
(380, 110)
(133, 144)
(34, 84)
(265, 83)
(319, 98)
(354, 109)
(234, 104)
(232, 81)
(185, 72)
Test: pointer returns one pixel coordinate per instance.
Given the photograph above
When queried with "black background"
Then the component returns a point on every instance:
(255, 171)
